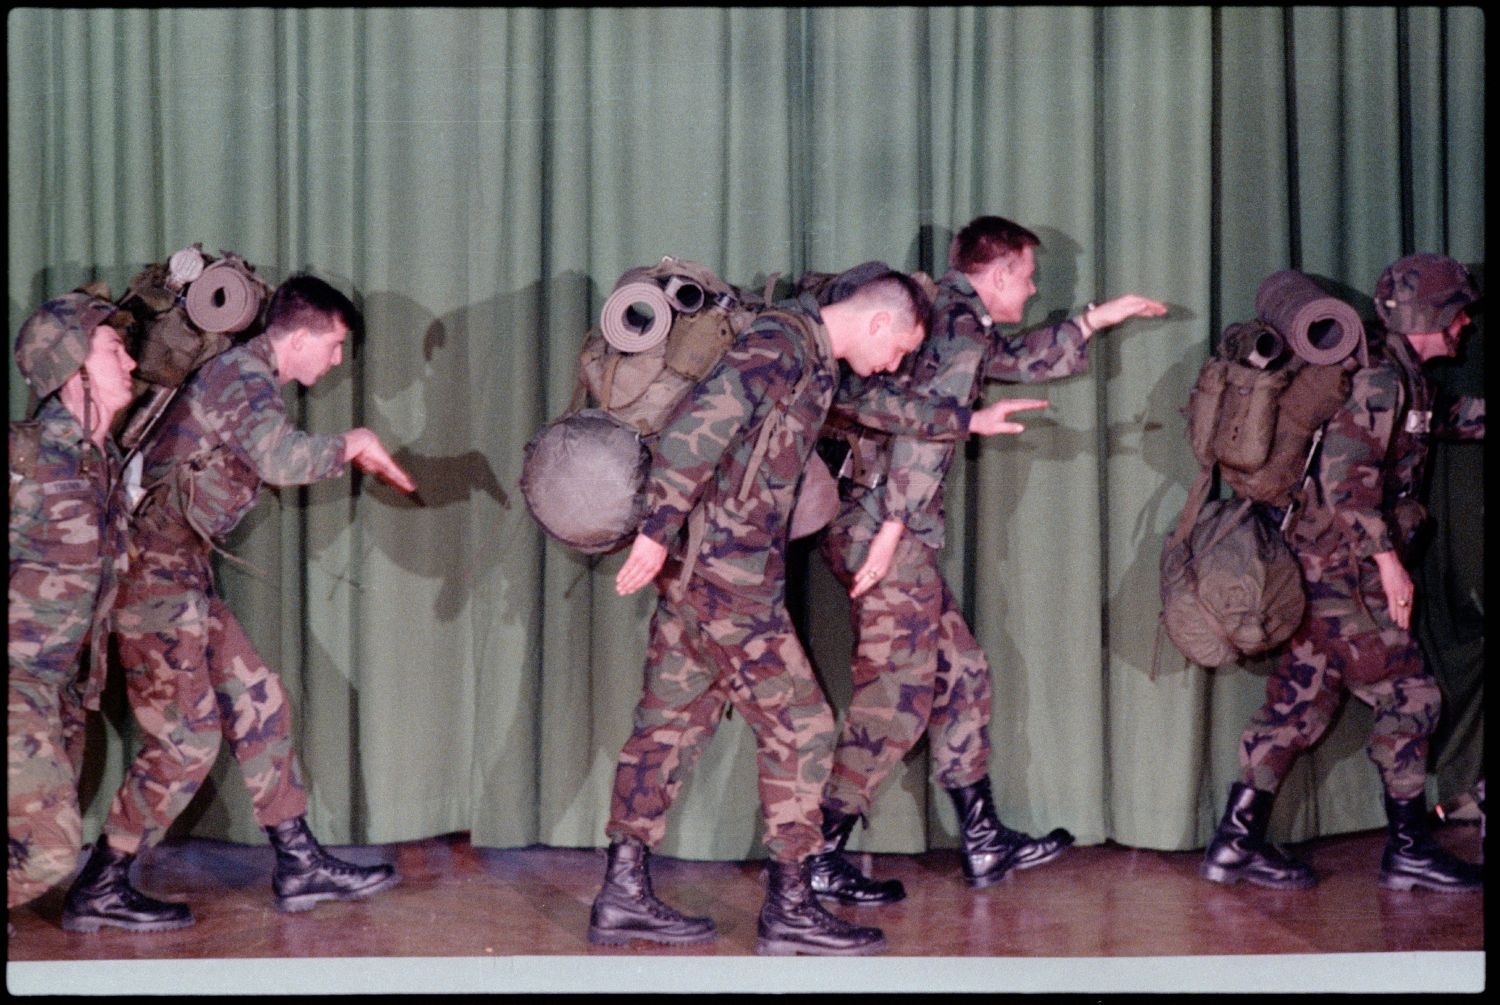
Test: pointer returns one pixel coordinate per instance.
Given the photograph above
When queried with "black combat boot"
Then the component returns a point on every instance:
(834, 876)
(792, 921)
(626, 907)
(1239, 849)
(992, 849)
(102, 895)
(306, 874)
(1413, 858)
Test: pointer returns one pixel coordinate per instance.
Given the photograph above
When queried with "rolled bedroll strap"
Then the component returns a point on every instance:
(223, 299)
(1320, 328)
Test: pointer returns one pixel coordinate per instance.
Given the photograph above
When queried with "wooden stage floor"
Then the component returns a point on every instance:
(512, 919)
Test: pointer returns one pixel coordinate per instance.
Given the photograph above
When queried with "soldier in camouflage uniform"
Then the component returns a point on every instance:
(726, 471)
(1355, 637)
(191, 672)
(916, 665)
(67, 545)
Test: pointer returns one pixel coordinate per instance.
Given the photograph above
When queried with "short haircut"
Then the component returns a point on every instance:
(305, 301)
(985, 239)
(845, 283)
(896, 292)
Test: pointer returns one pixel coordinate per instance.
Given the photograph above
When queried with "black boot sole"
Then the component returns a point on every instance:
(88, 925)
(604, 937)
(985, 882)
(853, 902)
(1397, 881)
(307, 901)
(792, 947)
(1018, 865)
(1229, 877)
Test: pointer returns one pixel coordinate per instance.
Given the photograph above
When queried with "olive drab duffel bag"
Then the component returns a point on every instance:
(661, 330)
(1230, 587)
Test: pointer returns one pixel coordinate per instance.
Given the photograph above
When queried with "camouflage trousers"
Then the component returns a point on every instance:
(1346, 643)
(50, 613)
(916, 667)
(45, 739)
(193, 676)
(709, 649)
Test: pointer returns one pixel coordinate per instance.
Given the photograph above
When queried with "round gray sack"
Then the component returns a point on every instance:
(584, 480)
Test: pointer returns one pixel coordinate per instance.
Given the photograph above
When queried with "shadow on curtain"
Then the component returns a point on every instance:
(478, 178)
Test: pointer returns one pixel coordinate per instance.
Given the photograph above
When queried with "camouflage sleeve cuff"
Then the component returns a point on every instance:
(1465, 420)
(333, 465)
(888, 407)
(1371, 541)
(662, 526)
(1040, 354)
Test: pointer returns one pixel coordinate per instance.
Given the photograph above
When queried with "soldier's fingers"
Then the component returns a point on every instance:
(387, 471)
(626, 582)
(865, 580)
(400, 479)
(396, 474)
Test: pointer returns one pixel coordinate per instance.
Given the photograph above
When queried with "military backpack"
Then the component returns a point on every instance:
(1230, 586)
(662, 330)
(187, 310)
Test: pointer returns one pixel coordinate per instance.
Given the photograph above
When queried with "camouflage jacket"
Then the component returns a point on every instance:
(962, 351)
(708, 446)
(225, 436)
(67, 537)
(1370, 471)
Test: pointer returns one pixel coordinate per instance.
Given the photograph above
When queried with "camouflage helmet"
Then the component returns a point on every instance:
(54, 341)
(1423, 293)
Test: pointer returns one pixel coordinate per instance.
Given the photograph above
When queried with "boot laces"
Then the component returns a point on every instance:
(839, 870)
(826, 919)
(654, 906)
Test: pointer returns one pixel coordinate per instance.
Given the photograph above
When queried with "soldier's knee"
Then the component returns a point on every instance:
(191, 749)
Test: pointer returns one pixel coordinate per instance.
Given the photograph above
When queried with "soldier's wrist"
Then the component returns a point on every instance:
(1085, 324)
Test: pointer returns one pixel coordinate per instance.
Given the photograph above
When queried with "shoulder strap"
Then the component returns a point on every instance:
(778, 412)
(1197, 496)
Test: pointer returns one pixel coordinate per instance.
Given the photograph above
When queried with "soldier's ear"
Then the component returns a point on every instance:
(1000, 272)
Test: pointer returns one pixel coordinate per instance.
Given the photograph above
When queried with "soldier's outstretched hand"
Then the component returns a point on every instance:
(1112, 312)
(995, 418)
(363, 449)
(641, 566)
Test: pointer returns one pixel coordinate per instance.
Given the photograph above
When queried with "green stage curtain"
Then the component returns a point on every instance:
(477, 179)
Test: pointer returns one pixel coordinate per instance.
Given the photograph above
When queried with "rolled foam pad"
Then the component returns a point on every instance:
(627, 326)
(223, 299)
(1320, 328)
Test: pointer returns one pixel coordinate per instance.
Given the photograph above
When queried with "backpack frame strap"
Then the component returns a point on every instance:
(773, 421)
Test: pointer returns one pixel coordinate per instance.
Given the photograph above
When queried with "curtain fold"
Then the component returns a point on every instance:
(477, 178)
